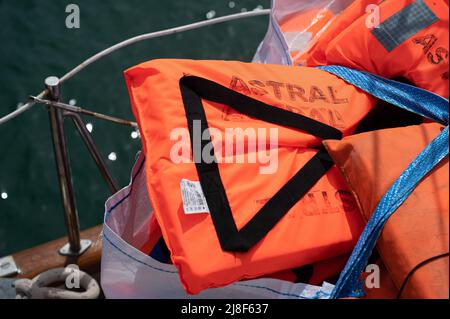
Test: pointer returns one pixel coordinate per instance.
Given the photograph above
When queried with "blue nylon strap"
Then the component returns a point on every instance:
(403, 95)
(412, 99)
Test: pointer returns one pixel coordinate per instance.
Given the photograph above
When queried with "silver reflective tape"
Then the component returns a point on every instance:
(404, 24)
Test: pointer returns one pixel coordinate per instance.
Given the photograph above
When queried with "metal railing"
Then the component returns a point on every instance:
(76, 245)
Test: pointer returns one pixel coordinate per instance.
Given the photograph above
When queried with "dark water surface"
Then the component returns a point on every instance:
(35, 43)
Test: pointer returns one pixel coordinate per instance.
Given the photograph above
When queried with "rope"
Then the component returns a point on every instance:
(139, 38)
(40, 287)
(22, 109)
(162, 33)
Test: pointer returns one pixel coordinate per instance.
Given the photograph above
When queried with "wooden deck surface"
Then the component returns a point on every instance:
(36, 260)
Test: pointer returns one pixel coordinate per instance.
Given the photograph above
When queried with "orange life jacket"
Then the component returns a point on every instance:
(414, 244)
(314, 274)
(411, 41)
(258, 223)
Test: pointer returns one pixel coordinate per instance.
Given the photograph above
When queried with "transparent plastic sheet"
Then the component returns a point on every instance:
(294, 27)
(127, 273)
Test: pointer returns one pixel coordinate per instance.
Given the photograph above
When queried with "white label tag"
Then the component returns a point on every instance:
(194, 202)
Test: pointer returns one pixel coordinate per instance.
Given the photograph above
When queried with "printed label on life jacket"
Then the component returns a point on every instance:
(320, 203)
(435, 53)
(404, 24)
(194, 201)
(292, 98)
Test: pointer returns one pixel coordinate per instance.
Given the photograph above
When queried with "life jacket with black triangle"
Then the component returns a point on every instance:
(314, 274)
(276, 203)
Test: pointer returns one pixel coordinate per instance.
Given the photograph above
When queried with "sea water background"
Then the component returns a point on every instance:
(35, 43)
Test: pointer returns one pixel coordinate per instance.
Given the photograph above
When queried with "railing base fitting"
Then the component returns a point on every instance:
(84, 245)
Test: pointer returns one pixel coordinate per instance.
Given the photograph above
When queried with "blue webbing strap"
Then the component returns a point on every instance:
(412, 99)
